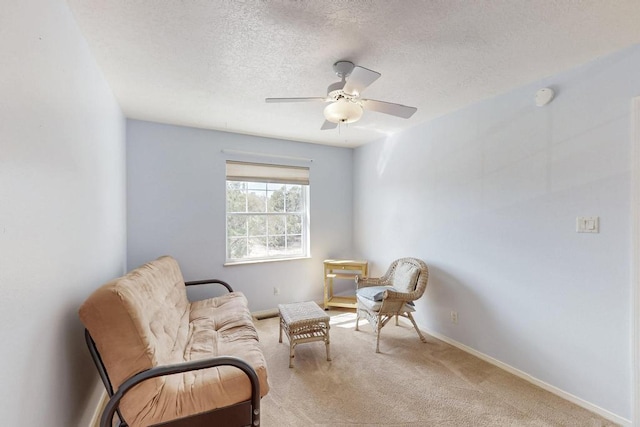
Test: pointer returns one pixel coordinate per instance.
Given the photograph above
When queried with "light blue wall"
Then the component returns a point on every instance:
(62, 212)
(488, 196)
(176, 206)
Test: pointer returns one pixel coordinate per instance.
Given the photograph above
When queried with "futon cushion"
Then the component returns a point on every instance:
(144, 319)
(405, 277)
(220, 326)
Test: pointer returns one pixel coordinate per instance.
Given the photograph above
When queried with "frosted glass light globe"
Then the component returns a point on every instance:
(343, 111)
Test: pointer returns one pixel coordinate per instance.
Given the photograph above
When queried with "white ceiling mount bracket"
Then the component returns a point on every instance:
(544, 96)
(343, 68)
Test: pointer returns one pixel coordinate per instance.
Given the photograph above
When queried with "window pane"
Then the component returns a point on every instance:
(258, 247)
(276, 198)
(236, 225)
(236, 197)
(276, 245)
(294, 224)
(235, 185)
(257, 225)
(277, 225)
(294, 244)
(256, 197)
(237, 248)
(258, 186)
(294, 198)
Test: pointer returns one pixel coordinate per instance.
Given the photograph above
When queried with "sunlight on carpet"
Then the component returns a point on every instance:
(345, 320)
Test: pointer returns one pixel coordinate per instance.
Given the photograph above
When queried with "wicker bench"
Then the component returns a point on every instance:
(303, 322)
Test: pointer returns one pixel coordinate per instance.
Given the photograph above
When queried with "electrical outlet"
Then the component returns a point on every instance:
(454, 317)
(276, 291)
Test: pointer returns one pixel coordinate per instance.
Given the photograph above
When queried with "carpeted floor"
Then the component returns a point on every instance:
(409, 384)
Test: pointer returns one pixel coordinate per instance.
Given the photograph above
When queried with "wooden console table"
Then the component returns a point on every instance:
(342, 269)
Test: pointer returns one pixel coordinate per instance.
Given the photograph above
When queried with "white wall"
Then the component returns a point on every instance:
(176, 206)
(62, 212)
(488, 196)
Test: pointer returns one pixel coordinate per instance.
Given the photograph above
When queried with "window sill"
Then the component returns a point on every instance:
(262, 261)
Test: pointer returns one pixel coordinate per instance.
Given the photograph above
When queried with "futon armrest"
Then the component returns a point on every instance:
(205, 282)
(194, 365)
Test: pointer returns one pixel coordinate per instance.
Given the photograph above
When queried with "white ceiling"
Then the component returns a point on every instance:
(211, 63)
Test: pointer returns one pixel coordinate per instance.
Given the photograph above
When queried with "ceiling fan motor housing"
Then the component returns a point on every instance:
(335, 87)
(344, 108)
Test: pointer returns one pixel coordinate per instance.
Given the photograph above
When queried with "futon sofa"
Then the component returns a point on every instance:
(166, 361)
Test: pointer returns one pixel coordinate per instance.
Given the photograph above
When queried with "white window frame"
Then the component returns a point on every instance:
(258, 174)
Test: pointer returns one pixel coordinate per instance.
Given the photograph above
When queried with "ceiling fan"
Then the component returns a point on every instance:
(345, 104)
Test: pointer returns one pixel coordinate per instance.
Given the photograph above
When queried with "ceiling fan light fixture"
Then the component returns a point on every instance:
(343, 111)
(343, 97)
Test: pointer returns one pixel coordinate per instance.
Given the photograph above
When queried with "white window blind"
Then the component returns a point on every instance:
(262, 172)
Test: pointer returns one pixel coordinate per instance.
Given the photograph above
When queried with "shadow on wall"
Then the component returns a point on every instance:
(83, 373)
(61, 349)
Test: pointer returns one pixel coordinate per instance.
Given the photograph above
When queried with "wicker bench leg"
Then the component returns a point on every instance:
(292, 345)
(326, 341)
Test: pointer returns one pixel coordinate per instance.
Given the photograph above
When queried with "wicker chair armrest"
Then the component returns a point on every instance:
(208, 281)
(398, 296)
(363, 282)
(194, 365)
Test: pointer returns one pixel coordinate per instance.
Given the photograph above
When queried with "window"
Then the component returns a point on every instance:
(267, 212)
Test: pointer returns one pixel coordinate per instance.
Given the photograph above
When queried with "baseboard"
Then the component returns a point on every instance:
(548, 387)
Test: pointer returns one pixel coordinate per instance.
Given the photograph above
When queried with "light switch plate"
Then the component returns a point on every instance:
(588, 224)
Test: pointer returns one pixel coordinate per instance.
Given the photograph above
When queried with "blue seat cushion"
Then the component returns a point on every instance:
(373, 293)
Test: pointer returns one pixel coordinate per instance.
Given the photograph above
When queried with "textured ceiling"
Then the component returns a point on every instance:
(210, 64)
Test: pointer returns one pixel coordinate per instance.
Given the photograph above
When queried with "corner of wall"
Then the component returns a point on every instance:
(635, 265)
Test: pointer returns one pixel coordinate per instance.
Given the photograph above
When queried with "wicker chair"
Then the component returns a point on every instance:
(392, 295)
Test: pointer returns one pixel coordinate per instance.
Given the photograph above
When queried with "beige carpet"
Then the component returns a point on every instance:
(409, 384)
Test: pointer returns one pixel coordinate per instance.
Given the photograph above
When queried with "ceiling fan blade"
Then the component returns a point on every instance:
(398, 110)
(359, 79)
(321, 99)
(328, 125)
